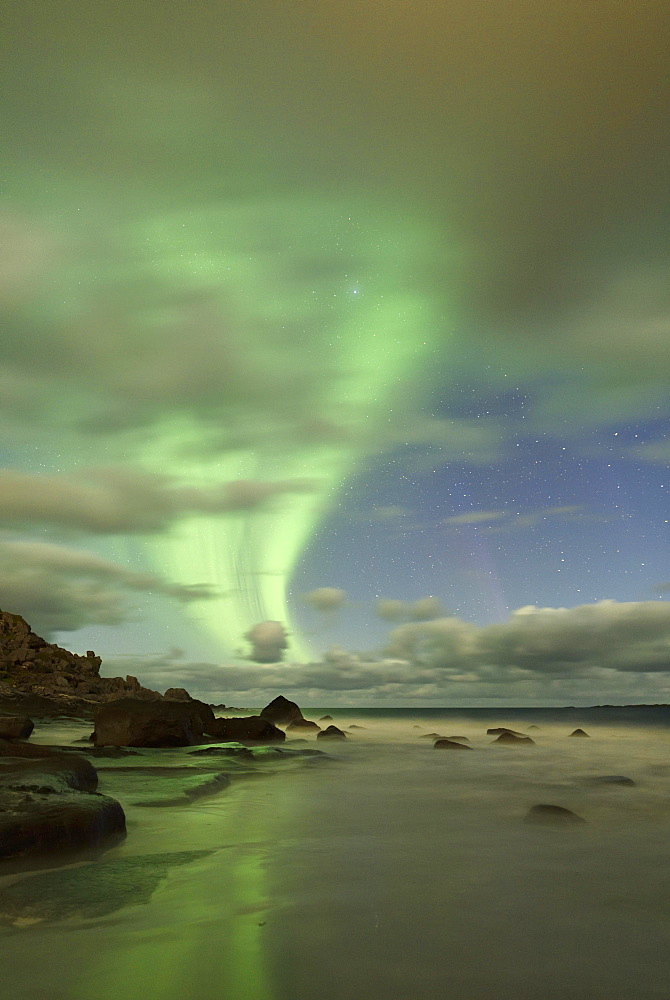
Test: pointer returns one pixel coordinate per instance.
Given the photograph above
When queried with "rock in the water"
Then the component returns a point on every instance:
(354, 726)
(503, 729)
(612, 779)
(578, 732)
(510, 738)
(331, 733)
(326, 718)
(137, 723)
(254, 728)
(48, 803)
(433, 736)
(533, 726)
(303, 724)
(463, 739)
(281, 711)
(450, 745)
(15, 727)
(550, 815)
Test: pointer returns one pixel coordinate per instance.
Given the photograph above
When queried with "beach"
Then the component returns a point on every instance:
(383, 867)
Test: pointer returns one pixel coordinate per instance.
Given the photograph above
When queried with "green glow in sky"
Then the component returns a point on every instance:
(334, 326)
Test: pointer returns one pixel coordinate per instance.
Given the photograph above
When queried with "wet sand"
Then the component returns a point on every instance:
(391, 869)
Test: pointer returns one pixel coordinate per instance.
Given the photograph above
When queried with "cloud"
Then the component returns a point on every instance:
(268, 642)
(632, 636)
(657, 452)
(512, 519)
(420, 610)
(60, 589)
(326, 598)
(126, 500)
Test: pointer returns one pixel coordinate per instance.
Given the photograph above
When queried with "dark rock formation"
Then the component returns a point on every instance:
(177, 694)
(503, 729)
(331, 733)
(281, 711)
(15, 727)
(550, 815)
(253, 729)
(433, 736)
(533, 726)
(128, 722)
(326, 718)
(303, 724)
(354, 726)
(510, 738)
(48, 804)
(578, 732)
(445, 744)
(463, 739)
(41, 678)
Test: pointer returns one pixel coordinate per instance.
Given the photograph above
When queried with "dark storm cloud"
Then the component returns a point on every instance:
(59, 589)
(112, 501)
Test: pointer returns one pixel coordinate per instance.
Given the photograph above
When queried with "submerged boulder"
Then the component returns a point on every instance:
(281, 711)
(253, 728)
(550, 815)
(139, 723)
(578, 732)
(303, 724)
(445, 744)
(15, 727)
(611, 779)
(331, 733)
(503, 729)
(510, 738)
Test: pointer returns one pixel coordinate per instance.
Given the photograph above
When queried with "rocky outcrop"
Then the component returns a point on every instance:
(511, 739)
(252, 729)
(130, 722)
(281, 711)
(550, 815)
(578, 732)
(40, 676)
(49, 803)
(331, 733)
(15, 727)
(177, 694)
(450, 745)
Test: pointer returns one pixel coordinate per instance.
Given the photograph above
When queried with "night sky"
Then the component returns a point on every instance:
(336, 345)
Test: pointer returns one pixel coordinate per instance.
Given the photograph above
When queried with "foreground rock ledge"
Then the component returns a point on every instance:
(49, 806)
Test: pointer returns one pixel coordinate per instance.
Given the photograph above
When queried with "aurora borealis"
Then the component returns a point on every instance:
(368, 298)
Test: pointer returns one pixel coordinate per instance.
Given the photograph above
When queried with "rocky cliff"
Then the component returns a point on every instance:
(36, 672)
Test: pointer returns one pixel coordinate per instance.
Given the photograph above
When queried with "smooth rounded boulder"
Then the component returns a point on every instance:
(445, 744)
(511, 739)
(578, 732)
(303, 724)
(331, 733)
(550, 815)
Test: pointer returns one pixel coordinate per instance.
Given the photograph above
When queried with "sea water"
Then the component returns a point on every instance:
(388, 868)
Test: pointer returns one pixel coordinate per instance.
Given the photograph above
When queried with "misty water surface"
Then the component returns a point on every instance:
(392, 869)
